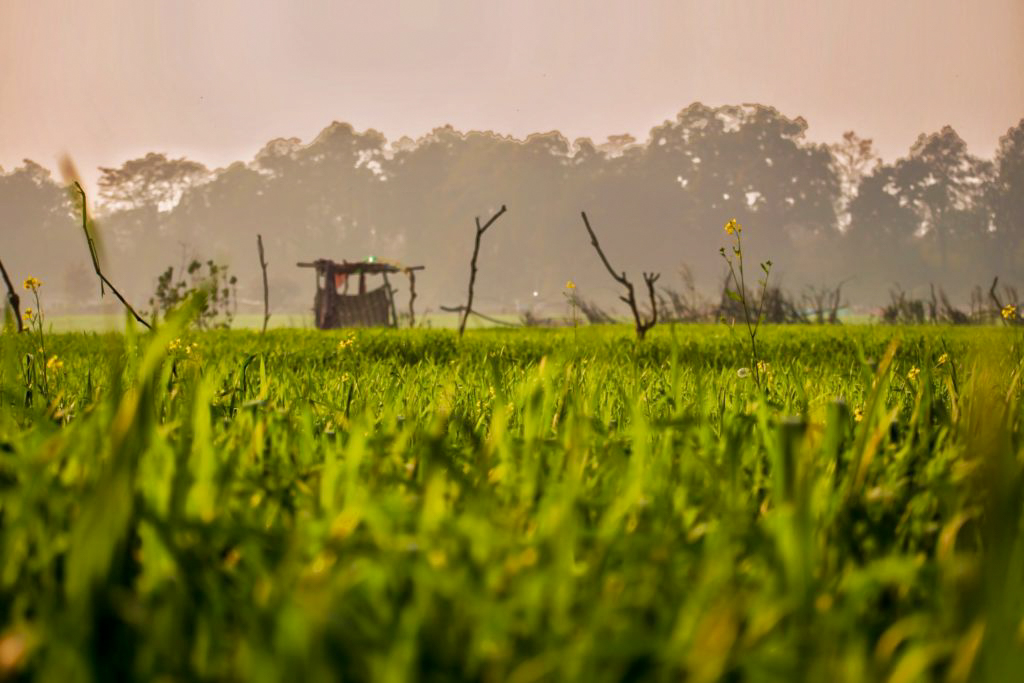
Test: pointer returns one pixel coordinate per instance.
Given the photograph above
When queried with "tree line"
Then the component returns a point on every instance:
(824, 213)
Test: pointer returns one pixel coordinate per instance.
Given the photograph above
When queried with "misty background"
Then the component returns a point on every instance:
(197, 125)
(824, 213)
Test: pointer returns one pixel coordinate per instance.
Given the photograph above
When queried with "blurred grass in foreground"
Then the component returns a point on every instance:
(524, 505)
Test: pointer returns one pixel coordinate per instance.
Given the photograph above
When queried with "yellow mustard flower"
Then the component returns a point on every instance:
(914, 372)
(570, 285)
(1009, 312)
(943, 359)
(858, 414)
(437, 559)
(732, 227)
(28, 315)
(54, 363)
(32, 283)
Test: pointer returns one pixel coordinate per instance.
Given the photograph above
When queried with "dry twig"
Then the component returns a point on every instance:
(96, 261)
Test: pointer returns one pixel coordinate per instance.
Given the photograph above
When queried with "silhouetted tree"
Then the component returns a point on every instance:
(945, 184)
(1007, 200)
(151, 181)
(853, 158)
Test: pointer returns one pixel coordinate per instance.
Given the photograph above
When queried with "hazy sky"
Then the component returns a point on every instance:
(107, 80)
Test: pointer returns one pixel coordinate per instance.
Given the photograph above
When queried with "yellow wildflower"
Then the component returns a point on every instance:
(1009, 312)
(437, 559)
(914, 372)
(28, 315)
(54, 363)
(732, 227)
(345, 343)
(943, 359)
(32, 283)
(174, 345)
(570, 285)
(858, 414)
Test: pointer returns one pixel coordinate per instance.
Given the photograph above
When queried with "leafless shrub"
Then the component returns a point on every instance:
(823, 303)
(594, 314)
(776, 306)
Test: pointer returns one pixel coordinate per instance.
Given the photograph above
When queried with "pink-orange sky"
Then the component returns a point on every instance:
(106, 80)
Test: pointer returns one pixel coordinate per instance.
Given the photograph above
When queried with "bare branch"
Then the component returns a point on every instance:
(266, 286)
(480, 230)
(621, 279)
(12, 297)
(462, 309)
(96, 261)
(642, 325)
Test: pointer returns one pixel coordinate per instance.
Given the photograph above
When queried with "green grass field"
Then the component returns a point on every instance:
(520, 505)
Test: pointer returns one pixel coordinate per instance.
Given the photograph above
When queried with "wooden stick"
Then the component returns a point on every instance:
(412, 296)
(630, 299)
(12, 297)
(266, 286)
(472, 266)
(96, 261)
(461, 309)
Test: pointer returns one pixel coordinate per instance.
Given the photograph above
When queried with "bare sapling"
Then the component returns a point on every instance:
(480, 230)
(642, 324)
(266, 286)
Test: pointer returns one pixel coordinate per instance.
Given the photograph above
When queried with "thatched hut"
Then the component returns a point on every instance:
(337, 305)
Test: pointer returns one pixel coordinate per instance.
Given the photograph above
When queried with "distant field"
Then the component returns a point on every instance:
(114, 322)
(520, 505)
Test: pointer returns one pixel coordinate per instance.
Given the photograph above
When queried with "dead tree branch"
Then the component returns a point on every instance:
(12, 297)
(480, 230)
(96, 260)
(642, 325)
(266, 286)
(995, 297)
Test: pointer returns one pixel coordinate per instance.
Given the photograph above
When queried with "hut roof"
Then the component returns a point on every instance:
(358, 267)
